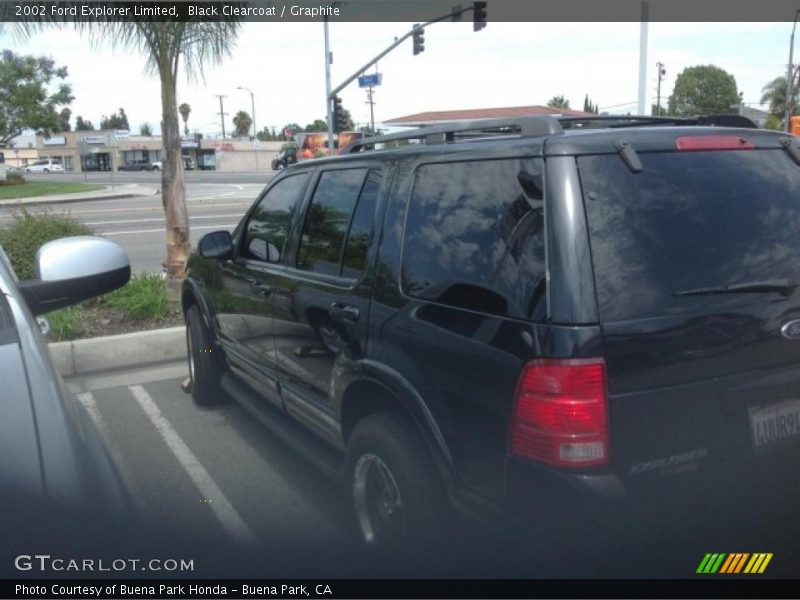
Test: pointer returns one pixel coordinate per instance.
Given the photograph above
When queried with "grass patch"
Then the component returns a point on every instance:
(28, 232)
(65, 323)
(45, 188)
(144, 297)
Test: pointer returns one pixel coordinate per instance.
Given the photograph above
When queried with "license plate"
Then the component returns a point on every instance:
(775, 423)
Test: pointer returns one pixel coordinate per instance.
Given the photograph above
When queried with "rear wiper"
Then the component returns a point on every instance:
(784, 286)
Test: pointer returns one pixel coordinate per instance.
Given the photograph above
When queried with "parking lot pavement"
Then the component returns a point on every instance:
(220, 474)
(215, 470)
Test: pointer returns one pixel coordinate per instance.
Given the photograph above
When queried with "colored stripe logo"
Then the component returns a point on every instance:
(735, 563)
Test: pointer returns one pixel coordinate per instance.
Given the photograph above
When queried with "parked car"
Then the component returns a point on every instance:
(518, 318)
(188, 164)
(45, 166)
(135, 165)
(50, 451)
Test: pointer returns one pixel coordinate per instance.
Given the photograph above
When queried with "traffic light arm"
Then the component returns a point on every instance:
(397, 42)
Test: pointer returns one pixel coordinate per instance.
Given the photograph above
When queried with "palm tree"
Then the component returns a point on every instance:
(166, 46)
(185, 109)
(242, 123)
(774, 94)
(558, 102)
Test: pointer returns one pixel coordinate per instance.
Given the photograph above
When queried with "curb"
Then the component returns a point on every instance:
(43, 200)
(139, 349)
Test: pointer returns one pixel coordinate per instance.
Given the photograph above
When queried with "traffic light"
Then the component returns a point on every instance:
(419, 39)
(339, 118)
(478, 15)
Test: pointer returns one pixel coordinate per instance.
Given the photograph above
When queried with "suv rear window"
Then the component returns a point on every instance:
(473, 239)
(688, 221)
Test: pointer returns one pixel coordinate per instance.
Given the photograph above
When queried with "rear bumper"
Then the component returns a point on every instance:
(605, 526)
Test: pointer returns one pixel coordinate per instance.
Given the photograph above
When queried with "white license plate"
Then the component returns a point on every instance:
(775, 423)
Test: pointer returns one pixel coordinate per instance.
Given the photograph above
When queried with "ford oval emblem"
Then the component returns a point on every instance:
(791, 330)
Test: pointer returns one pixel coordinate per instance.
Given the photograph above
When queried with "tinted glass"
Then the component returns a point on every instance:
(361, 226)
(266, 231)
(687, 221)
(328, 219)
(474, 238)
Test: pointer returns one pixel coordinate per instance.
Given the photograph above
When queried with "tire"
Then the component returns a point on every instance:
(396, 493)
(280, 166)
(206, 365)
(156, 169)
(46, 171)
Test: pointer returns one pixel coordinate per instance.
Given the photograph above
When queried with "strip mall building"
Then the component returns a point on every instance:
(82, 151)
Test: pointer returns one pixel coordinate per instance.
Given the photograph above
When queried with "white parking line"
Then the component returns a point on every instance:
(89, 403)
(161, 219)
(132, 231)
(224, 511)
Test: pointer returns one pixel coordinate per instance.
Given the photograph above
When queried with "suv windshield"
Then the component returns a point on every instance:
(688, 222)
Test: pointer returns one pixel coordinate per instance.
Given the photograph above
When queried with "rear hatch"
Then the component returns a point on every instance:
(697, 263)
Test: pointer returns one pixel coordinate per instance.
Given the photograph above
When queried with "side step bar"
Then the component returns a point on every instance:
(323, 456)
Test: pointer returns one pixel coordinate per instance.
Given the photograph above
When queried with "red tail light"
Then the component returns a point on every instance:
(690, 143)
(561, 413)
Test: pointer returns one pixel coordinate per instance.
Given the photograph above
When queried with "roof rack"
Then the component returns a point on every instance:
(439, 134)
(620, 121)
(540, 125)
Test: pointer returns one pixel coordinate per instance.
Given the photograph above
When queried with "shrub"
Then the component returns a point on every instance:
(28, 232)
(13, 179)
(65, 323)
(145, 297)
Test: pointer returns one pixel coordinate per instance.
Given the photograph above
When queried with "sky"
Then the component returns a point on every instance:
(505, 64)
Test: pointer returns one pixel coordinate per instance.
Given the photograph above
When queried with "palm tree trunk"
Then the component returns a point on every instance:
(173, 181)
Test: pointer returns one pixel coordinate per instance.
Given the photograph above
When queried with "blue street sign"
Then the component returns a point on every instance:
(370, 80)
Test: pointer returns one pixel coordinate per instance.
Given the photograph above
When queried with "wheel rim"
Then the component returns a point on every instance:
(378, 503)
(190, 353)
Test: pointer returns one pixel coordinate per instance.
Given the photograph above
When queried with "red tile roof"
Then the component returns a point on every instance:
(481, 113)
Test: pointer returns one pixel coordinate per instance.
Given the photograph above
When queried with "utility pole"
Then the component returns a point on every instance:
(642, 104)
(661, 73)
(790, 76)
(222, 114)
(371, 102)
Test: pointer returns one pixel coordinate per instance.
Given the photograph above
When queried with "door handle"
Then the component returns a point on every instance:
(343, 312)
(260, 289)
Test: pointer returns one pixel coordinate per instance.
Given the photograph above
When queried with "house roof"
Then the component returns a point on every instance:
(447, 116)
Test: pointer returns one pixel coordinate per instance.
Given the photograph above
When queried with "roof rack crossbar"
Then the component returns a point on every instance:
(439, 134)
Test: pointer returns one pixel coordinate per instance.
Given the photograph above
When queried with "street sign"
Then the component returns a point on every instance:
(370, 80)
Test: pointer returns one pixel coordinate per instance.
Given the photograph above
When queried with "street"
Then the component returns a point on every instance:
(138, 223)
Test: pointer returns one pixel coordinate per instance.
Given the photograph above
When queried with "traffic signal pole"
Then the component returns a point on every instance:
(329, 96)
(457, 12)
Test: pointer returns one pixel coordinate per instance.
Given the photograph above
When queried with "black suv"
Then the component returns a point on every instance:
(508, 316)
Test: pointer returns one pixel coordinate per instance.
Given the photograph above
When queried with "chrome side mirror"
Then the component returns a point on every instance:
(75, 269)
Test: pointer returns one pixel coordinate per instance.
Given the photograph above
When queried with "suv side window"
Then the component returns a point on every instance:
(361, 227)
(267, 229)
(331, 214)
(474, 237)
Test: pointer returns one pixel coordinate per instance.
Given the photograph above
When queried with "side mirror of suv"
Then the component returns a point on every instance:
(75, 269)
(217, 245)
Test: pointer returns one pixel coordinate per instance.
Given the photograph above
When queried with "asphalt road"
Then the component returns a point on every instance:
(138, 223)
(154, 177)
